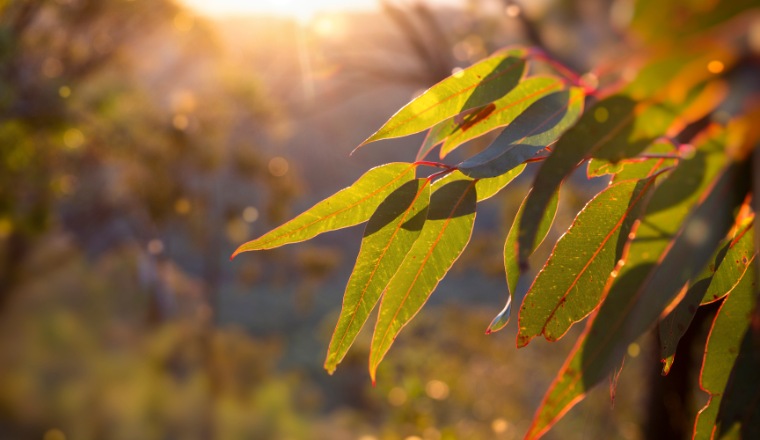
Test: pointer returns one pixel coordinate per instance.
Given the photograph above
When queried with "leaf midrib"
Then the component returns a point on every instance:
(389, 129)
(593, 257)
(424, 262)
(327, 216)
(382, 255)
(505, 108)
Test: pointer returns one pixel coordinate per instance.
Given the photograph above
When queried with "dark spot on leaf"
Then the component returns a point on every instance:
(692, 309)
(680, 326)
(744, 260)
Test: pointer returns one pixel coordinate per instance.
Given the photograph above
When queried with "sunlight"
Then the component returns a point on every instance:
(301, 9)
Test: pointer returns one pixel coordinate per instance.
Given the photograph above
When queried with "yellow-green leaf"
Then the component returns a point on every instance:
(571, 284)
(499, 113)
(473, 87)
(390, 233)
(348, 207)
(510, 258)
(675, 324)
(732, 266)
(738, 416)
(446, 233)
(614, 129)
(594, 354)
(535, 129)
(487, 188)
(723, 346)
(435, 136)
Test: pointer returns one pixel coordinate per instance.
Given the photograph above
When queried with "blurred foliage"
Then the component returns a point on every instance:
(139, 142)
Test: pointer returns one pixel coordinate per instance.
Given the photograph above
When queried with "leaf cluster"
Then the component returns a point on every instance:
(672, 231)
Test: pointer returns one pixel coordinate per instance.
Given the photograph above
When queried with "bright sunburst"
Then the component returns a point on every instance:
(302, 9)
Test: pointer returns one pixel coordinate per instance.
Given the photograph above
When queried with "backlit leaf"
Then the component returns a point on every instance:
(510, 258)
(732, 267)
(473, 87)
(692, 249)
(570, 285)
(616, 128)
(723, 346)
(390, 233)
(535, 129)
(636, 168)
(487, 188)
(639, 170)
(590, 361)
(435, 136)
(674, 325)
(348, 207)
(739, 413)
(446, 233)
(499, 113)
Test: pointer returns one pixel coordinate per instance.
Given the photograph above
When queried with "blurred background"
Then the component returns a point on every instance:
(142, 141)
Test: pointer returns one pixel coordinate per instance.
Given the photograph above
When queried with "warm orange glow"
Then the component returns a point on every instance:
(715, 66)
(301, 9)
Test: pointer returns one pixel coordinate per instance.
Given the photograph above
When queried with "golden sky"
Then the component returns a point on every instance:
(302, 9)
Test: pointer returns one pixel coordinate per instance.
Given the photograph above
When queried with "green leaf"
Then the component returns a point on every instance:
(723, 346)
(390, 233)
(739, 413)
(571, 284)
(510, 258)
(591, 359)
(636, 168)
(473, 87)
(499, 113)
(446, 233)
(487, 188)
(674, 325)
(616, 128)
(732, 267)
(600, 125)
(348, 207)
(535, 129)
(703, 426)
(692, 249)
(435, 136)
(641, 169)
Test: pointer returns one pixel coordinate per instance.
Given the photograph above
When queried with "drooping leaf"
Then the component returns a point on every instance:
(616, 128)
(570, 285)
(739, 413)
(723, 346)
(692, 249)
(732, 267)
(435, 136)
(390, 233)
(499, 113)
(446, 233)
(536, 128)
(348, 207)
(674, 325)
(589, 362)
(510, 258)
(608, 121)
(473, 87)
(487, 188)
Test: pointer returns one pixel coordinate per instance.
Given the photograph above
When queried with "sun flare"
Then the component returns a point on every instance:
(301, 9)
